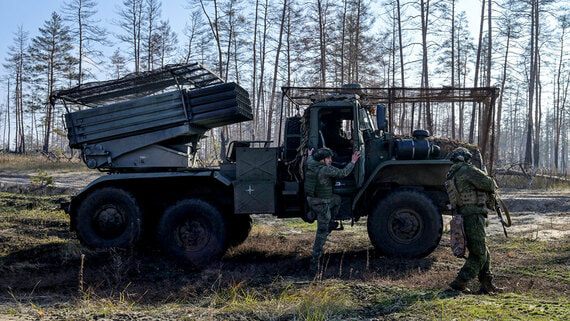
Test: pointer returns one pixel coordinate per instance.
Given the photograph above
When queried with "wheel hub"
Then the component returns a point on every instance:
(109, 222)
(405, 225)
(193, 235)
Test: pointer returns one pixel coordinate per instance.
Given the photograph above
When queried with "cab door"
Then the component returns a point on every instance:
(358, 139)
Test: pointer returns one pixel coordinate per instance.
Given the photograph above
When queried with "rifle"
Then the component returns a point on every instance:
(499, 206)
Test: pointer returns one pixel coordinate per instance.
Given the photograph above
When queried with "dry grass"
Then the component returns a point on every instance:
(266, 278)
(538, 183)
(35, 161)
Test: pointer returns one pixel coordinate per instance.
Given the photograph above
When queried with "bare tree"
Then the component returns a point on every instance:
(275, 69)
(130, 15)
(532, 79)
(559, 102)
(476, 79)
(509, 28)
(166, 42)
(86, 32)
(194, 28)
(151, 16)
(17, 64)
(424, 12)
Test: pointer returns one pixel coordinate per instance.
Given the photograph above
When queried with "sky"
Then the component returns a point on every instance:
(32, 14)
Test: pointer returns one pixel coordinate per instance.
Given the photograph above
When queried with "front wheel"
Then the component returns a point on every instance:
(192, 232)
(405, 224)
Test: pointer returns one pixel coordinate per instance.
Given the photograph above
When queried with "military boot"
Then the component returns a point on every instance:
(487, 286)
(459, 284)
(314, 266)
(333, 226)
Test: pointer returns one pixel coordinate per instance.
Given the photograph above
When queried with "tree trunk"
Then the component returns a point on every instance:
(342, 41)
(502, 94)
(322, 43)
(402, 73)
(254, 74)
(476, 79)
(531, 86)
(425, 80)
(488, 112)
(260, 96)
(452, 66)
(276, 68)
(557, 109)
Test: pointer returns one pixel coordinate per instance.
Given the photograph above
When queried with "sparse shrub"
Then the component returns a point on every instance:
(43, 180)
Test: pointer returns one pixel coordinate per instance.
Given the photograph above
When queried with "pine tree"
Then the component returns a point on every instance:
(118, 64)
(50, 51)
(17, 63)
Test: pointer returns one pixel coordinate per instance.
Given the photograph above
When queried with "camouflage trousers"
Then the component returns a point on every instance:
(478, 263)
(325, 210)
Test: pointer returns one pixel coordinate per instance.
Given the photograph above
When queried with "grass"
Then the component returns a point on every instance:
(35, 161)
(538, 182)
(265, 278)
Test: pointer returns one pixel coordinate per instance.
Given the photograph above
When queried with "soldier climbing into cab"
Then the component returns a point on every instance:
(319, 191)
(469, 188)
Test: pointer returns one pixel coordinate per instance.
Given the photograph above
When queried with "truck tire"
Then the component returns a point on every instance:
(192, 232)
(109, 218)
(405, 224)
(293, 137)
(238, 229)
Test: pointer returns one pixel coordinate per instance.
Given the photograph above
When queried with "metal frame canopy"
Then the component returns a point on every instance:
(305, 96)
(371, 96)
(138, 84)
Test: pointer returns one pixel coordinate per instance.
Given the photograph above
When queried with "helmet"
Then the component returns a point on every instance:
(460, 154)
(323, 153)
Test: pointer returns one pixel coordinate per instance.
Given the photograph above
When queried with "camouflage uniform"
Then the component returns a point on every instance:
(325, 204)
(471, 183)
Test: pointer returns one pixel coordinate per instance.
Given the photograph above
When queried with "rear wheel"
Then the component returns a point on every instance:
(405, 224)
(192, 232)
(238, 228)
(109, 217)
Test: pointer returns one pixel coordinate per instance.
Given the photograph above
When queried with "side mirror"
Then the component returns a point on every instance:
(381, 117)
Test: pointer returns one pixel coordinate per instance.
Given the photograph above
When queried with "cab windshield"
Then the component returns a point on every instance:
(366, 121)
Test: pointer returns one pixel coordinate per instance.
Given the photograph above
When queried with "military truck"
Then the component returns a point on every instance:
(155, 192)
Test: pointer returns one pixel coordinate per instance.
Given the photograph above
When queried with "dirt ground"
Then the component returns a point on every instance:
(58, 279)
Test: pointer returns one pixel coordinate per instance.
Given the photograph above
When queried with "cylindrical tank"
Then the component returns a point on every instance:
(416, 148)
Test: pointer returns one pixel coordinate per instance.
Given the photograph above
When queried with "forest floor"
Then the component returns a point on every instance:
(45, 274)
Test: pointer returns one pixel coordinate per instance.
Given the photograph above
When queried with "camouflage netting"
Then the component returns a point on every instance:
(447, 145)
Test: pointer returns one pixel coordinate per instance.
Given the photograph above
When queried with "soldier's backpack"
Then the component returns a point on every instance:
(457, 237)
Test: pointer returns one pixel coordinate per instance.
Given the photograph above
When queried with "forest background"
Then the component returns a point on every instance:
(521, 47)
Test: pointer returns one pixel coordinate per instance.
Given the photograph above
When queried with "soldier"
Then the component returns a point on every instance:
(319, 191)
(472, 186)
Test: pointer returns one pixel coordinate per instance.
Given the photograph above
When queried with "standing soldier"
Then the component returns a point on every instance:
(319, 191)
(472, 187)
